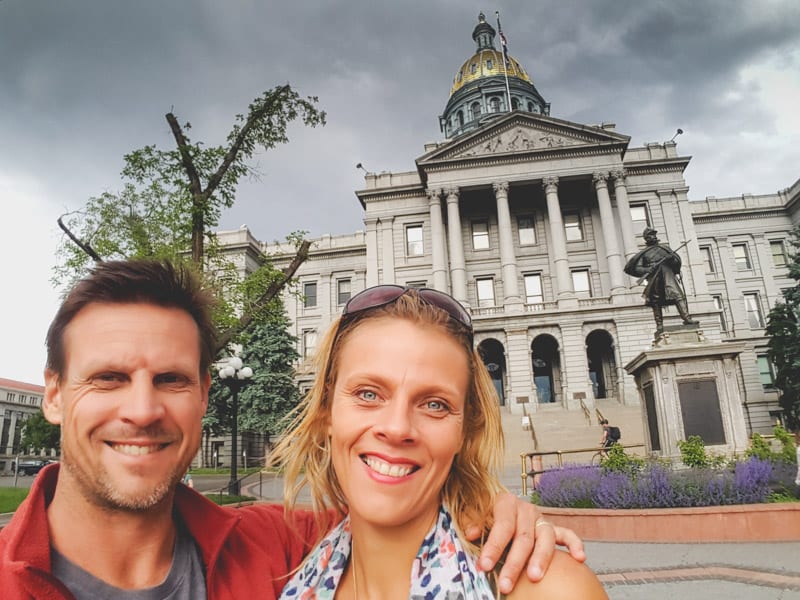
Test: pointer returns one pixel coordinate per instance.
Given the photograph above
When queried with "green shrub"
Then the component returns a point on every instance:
(618, 461)
(693, 452)
(761, 448)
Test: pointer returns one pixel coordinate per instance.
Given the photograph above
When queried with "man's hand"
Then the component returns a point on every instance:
(533, 541)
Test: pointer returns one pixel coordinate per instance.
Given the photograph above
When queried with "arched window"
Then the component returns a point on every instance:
(494, 104)
(514, 104)
(460, 117)
(475, 109)
(530, 106)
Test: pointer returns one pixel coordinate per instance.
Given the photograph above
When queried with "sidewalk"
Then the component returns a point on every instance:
(725, 571)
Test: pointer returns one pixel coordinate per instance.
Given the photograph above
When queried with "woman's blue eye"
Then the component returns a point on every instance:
(368, 395)
(437, 405)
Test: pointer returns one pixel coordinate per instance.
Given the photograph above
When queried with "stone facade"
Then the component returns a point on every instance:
(528, 220)
(18, 401)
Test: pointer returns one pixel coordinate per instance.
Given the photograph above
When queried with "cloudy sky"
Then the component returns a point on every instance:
(84, 81)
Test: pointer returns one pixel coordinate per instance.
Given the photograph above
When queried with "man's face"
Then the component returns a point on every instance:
(129, 403)
(651, 238)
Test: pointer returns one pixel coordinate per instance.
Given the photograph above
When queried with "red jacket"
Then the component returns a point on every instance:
(247, 552)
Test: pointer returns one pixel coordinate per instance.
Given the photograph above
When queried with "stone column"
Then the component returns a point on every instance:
(609, 233)
(558, 246)
(387, 244)
(508, 261)
(624, 213)
(458, 270)
(437, 240)
(372, 251)
(12, 428)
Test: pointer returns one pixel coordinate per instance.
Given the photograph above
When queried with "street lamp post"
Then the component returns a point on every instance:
(235, 376)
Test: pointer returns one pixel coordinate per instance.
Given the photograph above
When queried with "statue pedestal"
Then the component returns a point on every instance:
(689, 386)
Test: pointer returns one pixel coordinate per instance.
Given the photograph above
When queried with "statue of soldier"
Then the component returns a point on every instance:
(661, 267)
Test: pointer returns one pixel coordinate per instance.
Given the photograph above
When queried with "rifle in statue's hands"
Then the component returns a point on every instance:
(657, 266)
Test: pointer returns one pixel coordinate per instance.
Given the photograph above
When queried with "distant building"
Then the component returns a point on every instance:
(528, 219)
(18, 401)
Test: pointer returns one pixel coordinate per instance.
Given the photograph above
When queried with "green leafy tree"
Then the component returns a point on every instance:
(270, 350)
(784, 341)
(169, 204)
(172, 199)
(39, 434)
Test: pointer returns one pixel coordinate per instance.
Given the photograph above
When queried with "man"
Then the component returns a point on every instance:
(661, 266)
(611, 435)
(127, 379)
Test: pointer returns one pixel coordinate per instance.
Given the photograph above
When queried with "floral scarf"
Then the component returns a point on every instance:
(442, 568)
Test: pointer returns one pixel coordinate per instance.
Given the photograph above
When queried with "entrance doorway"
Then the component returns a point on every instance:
(546, 366)
(493, 356)
(601, 363)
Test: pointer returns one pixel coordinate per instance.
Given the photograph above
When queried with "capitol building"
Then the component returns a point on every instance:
(528, 219)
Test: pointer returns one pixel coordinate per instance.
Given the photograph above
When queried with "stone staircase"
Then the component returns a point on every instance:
(559, 429)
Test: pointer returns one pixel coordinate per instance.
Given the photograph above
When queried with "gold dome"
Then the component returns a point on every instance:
(487, 63)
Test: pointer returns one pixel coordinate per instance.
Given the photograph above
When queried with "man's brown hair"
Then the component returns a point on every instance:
(137, 281)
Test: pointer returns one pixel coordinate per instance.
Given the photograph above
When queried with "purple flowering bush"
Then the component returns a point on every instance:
(654, 485)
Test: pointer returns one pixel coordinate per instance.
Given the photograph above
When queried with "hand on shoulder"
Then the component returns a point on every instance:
(565, 579)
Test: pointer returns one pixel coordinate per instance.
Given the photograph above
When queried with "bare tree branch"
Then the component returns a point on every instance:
(274, 288)
(83, 246)
(230, 155)
(198, 196)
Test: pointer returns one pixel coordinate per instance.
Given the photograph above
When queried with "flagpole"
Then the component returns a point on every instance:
(505, 59)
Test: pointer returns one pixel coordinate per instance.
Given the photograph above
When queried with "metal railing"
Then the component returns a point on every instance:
(532, 461)
(586, 412)
(600, 417)
(532, 428)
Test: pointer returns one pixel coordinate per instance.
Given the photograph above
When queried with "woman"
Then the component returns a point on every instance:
(402, 434)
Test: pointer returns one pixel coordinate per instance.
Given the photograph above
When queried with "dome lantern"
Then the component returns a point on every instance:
(479, 88)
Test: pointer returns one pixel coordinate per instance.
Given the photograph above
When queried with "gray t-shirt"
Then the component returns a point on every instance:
(185, 580)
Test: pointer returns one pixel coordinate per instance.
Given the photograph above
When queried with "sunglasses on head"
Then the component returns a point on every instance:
(381, 295)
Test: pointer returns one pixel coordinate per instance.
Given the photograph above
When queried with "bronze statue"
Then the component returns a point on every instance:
(661, 267)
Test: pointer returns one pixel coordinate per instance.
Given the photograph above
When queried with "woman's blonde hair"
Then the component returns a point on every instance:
(304, 450)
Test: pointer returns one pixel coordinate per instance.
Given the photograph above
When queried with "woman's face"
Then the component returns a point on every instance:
(396, 420)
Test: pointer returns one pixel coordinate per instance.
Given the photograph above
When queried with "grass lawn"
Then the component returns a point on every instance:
(227, 499)
(241, 471)
(11, 498)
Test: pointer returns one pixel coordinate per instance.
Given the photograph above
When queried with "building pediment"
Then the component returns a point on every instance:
(525, 134)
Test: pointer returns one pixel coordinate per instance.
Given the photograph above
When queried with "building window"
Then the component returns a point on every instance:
(494, 104)
(639, 217)
(417, 284)
(572, 227)
(778, 253)
(310, 294)
(476, 110)
(10, 396)
(527, 234)
(309, 343)
(515, 104)
(741, 257)
(580, 282)
(414, 245)
(473, 68)
(752, 307)
(489, 64)
(533, 289)
(343, 291)
(705, 251)
(723, 325)
(765, 372)
(460, 117)
(485, 288)
(480, 235)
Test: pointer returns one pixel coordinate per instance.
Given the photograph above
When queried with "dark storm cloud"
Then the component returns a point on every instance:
(85, 81)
